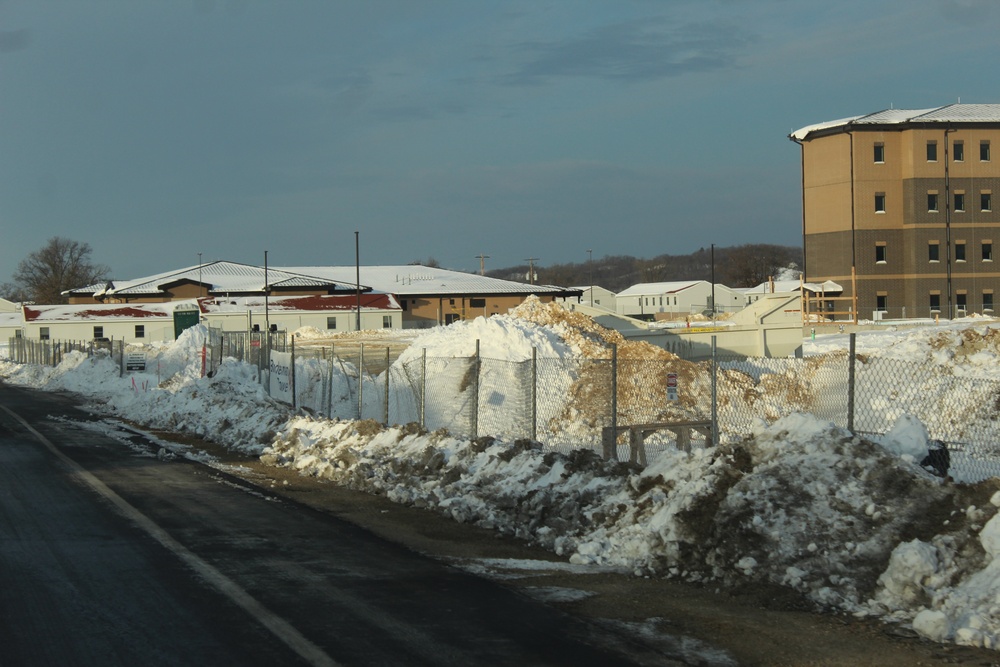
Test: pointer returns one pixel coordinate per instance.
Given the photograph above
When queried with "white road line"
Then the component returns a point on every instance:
(278, 626)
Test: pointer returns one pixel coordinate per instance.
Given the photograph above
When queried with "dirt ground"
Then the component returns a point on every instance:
(767, 626)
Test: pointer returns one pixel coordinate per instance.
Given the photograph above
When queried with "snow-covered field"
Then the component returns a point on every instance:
(853, 524)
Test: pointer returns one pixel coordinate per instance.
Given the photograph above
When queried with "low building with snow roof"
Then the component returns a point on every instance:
(676, 300)
(430, 296)
(215, 279)
(594, 296)
(133, 323)
(11, 326)
(427, 296)
(9, 306)
(288, 313)
(827, 288)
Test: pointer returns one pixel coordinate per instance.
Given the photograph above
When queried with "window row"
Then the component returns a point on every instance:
(934, 202)
(934, 251)
(957, 151)
(962, 304)
(44, 333)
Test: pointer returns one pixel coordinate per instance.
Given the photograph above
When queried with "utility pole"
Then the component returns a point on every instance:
(357, 276)
(590, 265)
(482, 263)
(267, 319)
(200, 287)
(531, 269)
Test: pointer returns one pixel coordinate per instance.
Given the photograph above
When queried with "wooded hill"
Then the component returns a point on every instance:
(738, 266)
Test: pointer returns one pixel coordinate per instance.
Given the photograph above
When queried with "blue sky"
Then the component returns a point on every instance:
(155, 131)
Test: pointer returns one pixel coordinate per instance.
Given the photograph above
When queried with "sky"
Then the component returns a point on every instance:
(164, 133)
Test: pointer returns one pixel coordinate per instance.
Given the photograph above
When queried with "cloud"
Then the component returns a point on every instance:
(14, 40)
(634, 51)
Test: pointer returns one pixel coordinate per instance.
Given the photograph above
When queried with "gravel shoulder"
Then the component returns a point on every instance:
(755, 626)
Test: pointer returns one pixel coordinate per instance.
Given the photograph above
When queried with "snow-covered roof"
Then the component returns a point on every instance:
(105, 311)
(828, 287)
(949, 114)
(11, 319)
(219, 277)
(311, 303)
(414, 279)
(661, 288)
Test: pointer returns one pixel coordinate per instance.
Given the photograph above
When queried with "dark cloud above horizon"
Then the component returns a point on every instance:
(640, 50)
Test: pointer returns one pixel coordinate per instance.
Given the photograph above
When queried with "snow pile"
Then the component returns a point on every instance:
(801, 505)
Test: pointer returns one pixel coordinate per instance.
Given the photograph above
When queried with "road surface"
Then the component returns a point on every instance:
(112, 556)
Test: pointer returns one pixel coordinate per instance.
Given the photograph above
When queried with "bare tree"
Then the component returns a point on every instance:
(61, 264)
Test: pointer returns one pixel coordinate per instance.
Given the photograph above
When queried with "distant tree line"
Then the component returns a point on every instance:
(739, 266)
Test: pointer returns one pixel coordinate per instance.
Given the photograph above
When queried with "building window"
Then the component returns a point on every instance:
(961, 302)
(932, 202)
(882, 303)
(477, 303)
(959, 251)
(959, 151)
(880, 202)
(932, 151)
(959, 202)
(984, 151)
(331, 323)
(43, 333)
(387, 321)
(880, 254)
(985, 201)
(98, 332)
(987, 251)
(879, 152)
(987, 302)
(140, 331)
(933, 252)
(935, 303)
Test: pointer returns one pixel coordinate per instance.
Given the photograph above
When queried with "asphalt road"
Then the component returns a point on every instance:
(110, 556)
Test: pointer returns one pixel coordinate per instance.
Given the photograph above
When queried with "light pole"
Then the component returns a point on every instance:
(357, 276)
(200, 284)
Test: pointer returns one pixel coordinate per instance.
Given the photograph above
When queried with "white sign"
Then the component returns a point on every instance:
(672, 386)
(135, 361)
(280, 377)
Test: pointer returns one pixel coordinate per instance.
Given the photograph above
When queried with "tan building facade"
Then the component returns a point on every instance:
(905, 198)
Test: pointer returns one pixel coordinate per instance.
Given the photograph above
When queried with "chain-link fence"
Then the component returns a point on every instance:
(572, 403)
(52, 352)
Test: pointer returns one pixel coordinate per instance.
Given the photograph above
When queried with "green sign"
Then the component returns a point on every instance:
(185, 319)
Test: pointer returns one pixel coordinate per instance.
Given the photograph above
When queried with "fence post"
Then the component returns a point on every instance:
(386, 413)
(715, 403)
(614, 398)
(475, 392)
(534, 393)
(361, 383)
(291, 375)
(850, 383)
(423, 386)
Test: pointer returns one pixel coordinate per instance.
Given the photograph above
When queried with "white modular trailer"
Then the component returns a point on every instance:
(677, 299)
(289, 313)
(133, 323)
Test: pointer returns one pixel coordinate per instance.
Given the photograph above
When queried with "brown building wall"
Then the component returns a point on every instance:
(428, 311)
(841, 180)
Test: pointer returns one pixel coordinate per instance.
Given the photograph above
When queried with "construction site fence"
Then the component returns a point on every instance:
(569, 403)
